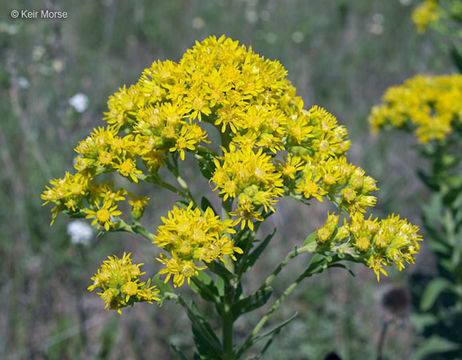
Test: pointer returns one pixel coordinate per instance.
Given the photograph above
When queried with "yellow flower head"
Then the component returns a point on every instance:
(428, 105)
(375, 242)
(191, 236)
(425, 14)
(119, 284)
(103, 215)
(270, 147)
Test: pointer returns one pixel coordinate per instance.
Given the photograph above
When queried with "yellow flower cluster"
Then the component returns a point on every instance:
(79, 196)
(429, 105)
(375, 242)
(270, 147)
(254, 107)
(190, 237)
(118, 280)
(425, 14)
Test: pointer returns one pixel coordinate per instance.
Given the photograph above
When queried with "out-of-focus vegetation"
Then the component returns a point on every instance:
(428, 107)
(55, 77)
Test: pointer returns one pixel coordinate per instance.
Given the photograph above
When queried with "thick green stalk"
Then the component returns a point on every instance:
(228, 321)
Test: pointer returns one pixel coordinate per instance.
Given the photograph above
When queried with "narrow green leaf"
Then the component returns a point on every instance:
(310, 238)
(180, 355)
(205, 339)
(243, 239)
(255, 254)
(206, 164)
(162, 287)
(343, 266)
(252, 302)
(427, 180)
(220, 284)
(182, 204)
(456, 57)
(421, 321)
(220, 270)
(433, 345)
(275, 330)
(317, 265)
(205, 203)
(434, 209)
(204, 286)
(432, 291)
(439, 247)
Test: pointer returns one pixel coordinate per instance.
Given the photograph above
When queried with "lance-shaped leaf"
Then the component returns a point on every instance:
(179, 354)
(204, 286)
(255, 254)
(432, 291)
(164, 289)
(251, 302)
(207, 343)
(205, 203)
(273, 332)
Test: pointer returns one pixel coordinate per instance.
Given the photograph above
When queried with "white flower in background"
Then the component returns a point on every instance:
(265, 15)
(10, 29)
(22, 82)
(38, 52)
(297, 37)
(58, 65)
(80, 232)
(271, 38)
(79, 102)
(376, 25)
(251, 16)
(198, 23)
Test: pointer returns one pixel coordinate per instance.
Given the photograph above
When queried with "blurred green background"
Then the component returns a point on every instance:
(55, 78)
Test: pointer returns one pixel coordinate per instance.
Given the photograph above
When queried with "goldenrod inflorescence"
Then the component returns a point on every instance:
(429, 105)
(118, 280)
(191, 237)
(425, 14)
(270, 147)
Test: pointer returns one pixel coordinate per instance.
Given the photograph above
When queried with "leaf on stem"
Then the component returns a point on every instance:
(207, 343)
(273, 332)
(433, 345)
(220, 270)
(252, 302)
(180, 355)
(164, 289)
(432, 291)
(204, 286)
(206, 163)
(205, 203)
(255, 254)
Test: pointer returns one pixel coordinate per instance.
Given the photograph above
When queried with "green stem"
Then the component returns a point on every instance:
(250, 339)
(135, 228)
(295, 252)
(228, 322)
(185, 188)
(140, 230)
(157, 180)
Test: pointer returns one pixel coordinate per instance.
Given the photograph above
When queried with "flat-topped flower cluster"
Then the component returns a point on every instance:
(428, 12)
(270, 147)
(430, 106)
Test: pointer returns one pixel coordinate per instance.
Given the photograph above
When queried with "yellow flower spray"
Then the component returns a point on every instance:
(431, 108)
(270, 147)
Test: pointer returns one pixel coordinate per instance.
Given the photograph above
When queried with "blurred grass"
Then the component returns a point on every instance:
(340, 54)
